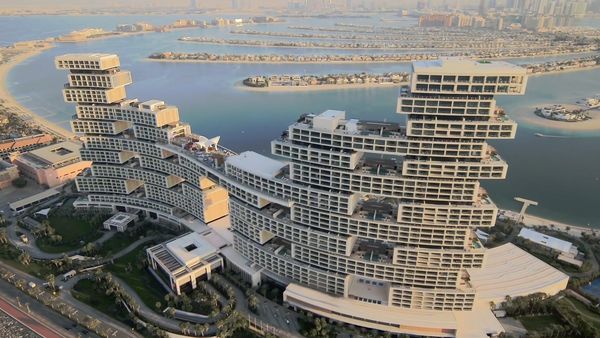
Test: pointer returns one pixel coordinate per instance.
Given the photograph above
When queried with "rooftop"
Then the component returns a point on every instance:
(190, 248)
(464, 66)
(256, 164)
(545, 240)
(510, 270)
(120, 218)
(56, 153)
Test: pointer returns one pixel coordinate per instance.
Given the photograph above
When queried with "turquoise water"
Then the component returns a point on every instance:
(563, 174)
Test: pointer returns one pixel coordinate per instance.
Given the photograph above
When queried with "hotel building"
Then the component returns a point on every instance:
(368, 223)
(140, 150)
(52, 165)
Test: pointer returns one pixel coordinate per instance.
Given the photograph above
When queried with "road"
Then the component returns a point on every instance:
(35, 252)
(79, 310)
(47, 316)
(27, 320)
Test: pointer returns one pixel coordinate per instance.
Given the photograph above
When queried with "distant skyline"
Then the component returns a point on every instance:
(74, 4)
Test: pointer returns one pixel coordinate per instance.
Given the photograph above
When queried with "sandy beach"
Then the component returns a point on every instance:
(239, 85)
(592, 124)
(10, 103)
(573, 230)
(564, 71)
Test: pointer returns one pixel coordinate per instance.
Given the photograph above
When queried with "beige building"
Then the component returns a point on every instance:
(23, 144)
(184, 261)
(143, 156)
(8, 173)
(52, 165)
(371, 223)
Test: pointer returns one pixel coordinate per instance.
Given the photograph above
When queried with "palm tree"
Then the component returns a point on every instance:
(3, 236)
(184, 327)
(252, 302)
(51, 280)
(24, 258)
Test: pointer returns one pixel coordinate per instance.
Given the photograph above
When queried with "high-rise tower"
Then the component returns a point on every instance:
(368, 223)
(126, 140)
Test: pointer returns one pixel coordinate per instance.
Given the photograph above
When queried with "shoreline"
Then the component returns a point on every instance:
(574, 230)
(269, 62)
(286, 89)
(11, 104)
(592, 124)
(570, 70)
(378, 61)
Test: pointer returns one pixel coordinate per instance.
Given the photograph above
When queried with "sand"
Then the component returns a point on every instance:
(14, 106)
(592, 124)
(576, 231)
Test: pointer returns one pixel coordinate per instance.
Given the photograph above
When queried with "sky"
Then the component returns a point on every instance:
(62, 4)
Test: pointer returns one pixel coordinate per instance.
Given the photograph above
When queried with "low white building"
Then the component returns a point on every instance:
(120, 221)
(566, 250)
(185, 260)
(553, 243)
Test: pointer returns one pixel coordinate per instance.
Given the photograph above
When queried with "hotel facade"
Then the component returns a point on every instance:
(365, 222)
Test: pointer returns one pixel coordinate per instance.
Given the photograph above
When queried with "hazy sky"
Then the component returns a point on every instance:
(44, 4)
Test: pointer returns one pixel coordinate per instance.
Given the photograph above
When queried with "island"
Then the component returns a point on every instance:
(330, 81)
(144, 27)
(578, 112)
(467, 49)
(558, 112)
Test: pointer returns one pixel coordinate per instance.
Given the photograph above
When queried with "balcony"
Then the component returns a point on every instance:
(372, 251)
(377, 209)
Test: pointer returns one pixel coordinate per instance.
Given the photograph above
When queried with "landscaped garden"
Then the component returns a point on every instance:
(68, 229)
(539, 323)
(23, 261)
(90, 293)
(132, 269)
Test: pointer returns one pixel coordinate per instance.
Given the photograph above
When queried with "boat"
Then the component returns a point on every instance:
(549, 136)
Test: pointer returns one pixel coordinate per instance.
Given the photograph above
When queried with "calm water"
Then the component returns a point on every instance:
(593, 289)
(563, 174)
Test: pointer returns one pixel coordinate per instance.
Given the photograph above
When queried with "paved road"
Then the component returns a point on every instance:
(27, 320)
(271, 317)
(107, 324)
(47, 316)
(35, 252)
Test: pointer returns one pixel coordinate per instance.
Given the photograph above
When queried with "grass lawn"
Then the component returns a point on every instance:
(538, 323)
(10, 255)
(72, 230)
(244, 333)
(88, 292)
(591, 317)
(140, 280)
(117, 243)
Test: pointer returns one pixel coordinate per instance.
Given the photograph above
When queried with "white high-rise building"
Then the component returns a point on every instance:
(368, 223)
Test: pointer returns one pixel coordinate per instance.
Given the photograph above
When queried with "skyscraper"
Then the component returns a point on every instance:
(370, 223)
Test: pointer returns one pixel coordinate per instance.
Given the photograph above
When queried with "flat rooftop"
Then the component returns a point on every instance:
(46, 194)
(466, 66)
(120, 218)
(257, 164)
(546, 240)
(56, 153)
(6, 165)
(191, 247)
